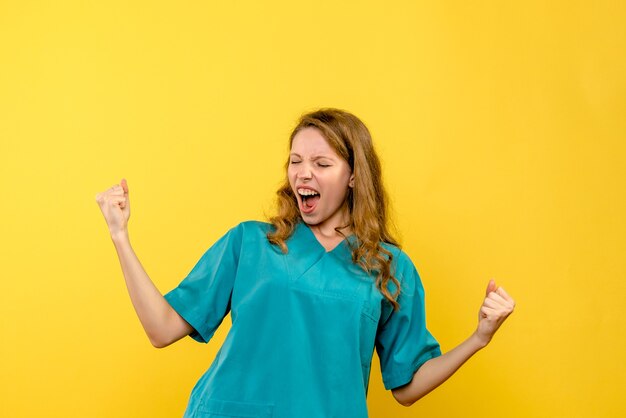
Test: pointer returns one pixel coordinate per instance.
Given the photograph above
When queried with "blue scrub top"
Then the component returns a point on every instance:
(304, 326)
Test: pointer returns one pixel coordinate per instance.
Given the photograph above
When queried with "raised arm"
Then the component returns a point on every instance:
(497, 306)
(162, 324)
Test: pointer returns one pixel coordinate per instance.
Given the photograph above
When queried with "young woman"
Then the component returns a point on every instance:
(311, 294)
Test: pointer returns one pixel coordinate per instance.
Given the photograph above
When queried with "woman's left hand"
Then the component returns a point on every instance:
(497, 306)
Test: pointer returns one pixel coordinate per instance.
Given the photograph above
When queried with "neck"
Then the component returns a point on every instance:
(326, 229)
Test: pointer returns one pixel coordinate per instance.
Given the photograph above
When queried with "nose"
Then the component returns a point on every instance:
(304, 172)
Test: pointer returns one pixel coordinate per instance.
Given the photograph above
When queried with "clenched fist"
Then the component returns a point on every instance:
(115, 206)
(497, 306)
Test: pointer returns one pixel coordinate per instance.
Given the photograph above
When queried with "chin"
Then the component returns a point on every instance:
(310, 220)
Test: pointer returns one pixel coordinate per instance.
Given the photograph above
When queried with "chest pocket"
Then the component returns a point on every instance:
(369, 324)
(215, 408)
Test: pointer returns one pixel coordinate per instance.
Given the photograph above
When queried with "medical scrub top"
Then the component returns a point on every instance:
(304, 326)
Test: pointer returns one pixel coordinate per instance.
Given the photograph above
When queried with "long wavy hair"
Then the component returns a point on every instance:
(367, 200)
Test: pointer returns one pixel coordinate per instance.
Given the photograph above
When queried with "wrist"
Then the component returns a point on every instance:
(119, 236)
(479, 341)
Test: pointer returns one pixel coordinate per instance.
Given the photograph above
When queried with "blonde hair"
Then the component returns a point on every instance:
(367, 200)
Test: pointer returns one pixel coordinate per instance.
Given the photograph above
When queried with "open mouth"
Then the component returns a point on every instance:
(308, 200)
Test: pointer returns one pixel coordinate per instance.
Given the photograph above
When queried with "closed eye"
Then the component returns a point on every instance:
(321, 165)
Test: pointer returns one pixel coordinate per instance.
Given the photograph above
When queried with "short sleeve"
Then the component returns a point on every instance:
(203, 297)
(403, 343)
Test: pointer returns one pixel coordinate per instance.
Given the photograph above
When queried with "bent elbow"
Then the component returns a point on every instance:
(406, 403)
(400, 398)
(397, 394)
(158, 342)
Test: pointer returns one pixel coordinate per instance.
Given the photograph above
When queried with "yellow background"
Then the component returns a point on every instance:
(501, 127)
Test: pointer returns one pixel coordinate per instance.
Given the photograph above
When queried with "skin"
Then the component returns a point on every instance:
(496, 307)
(162, 324)
(314, 163)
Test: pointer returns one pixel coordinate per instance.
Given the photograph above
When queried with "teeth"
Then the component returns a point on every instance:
(307, 192)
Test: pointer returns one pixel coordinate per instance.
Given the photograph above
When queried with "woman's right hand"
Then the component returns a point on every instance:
(115, 206)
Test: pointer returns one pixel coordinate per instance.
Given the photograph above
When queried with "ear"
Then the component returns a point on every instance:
(351, 182)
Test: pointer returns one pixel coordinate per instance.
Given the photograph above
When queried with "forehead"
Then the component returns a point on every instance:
(311, 141)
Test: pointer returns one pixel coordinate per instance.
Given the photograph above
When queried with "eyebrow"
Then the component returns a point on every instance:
(315, 157)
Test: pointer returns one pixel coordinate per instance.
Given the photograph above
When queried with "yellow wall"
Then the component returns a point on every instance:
(501, 127)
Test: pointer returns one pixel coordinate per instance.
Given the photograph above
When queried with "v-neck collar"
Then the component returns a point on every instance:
(306, 252)
(305, 230)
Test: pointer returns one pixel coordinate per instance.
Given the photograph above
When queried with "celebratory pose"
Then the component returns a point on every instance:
(312, 293)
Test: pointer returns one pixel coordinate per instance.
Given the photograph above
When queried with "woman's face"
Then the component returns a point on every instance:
(322, 176)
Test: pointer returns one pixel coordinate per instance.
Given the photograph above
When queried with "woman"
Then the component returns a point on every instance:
(312, 293)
